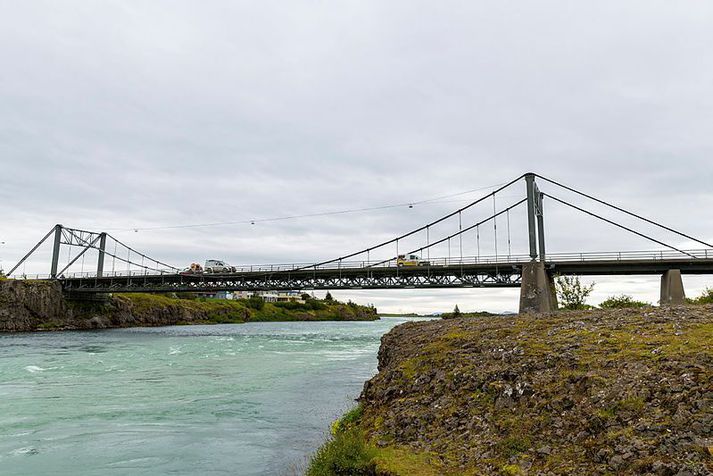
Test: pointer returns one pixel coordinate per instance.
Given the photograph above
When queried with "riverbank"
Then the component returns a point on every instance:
(624, 391)
(40, 305)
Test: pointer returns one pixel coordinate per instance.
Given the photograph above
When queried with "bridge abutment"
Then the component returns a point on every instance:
(537, 290)
(672, 292)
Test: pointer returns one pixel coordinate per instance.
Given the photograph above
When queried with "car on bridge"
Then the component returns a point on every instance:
(218, 266)
(194, 268)
(411, 260)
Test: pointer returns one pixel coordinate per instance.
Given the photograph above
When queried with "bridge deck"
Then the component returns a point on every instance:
(462, 274)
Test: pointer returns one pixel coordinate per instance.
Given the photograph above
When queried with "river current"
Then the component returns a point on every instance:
(244, 399)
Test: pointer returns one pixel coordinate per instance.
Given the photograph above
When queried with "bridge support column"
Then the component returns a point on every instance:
(102, 250)
(55, 250)
(537, 289)
(672, 292)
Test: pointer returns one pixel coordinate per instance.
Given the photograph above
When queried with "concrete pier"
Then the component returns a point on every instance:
(672, 292)
(537, 291)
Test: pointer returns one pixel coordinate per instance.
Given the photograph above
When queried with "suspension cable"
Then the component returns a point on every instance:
(618, 225)
(625, 211)
(405, 235)
(509, 246)
(428, 240)
(460, 236)
(128, 261)
(465, 230)
(495, 229)
(141, 254)
(477, 240)
(113, 257)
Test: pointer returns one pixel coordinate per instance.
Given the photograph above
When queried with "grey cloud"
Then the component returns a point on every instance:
(139, 114)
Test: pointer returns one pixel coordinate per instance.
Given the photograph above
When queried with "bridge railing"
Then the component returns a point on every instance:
(432, 262)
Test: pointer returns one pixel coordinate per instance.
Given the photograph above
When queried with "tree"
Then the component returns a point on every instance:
(456, 311)
(571, 293)
(328, 297)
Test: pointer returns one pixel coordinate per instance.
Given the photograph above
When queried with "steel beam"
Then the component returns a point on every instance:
(55, 250)
(39, 243)
(100, 260)
(531, 198)
(541, 225)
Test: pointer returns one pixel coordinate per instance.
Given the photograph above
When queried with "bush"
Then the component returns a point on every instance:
(571, 293)
(705, 298)
(349, 421)
(346, 453)
(622, 301)
(256, 302)
(293, 306)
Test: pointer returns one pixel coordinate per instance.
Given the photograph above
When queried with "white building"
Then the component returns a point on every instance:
(271, 296)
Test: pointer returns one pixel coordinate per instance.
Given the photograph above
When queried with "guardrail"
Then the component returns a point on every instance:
(432, 262)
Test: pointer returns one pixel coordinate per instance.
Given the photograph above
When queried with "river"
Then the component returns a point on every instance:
(245, 399)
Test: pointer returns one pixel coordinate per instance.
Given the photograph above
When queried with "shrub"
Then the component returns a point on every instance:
(622, 301)
(256, 302)
(346, 453)
(316, 305)
(571, 293)
(705, 298)
(349, 421)
(293, 306)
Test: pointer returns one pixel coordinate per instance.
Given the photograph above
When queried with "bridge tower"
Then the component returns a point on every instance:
(537, 290)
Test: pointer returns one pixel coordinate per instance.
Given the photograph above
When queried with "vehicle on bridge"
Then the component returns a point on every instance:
(218, 266)
(194, 268)
(412, 260)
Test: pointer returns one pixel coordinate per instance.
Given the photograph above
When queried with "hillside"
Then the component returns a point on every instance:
(40, 305)
(591, 392)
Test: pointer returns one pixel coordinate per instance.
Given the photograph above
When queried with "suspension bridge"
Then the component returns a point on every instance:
(386, 265)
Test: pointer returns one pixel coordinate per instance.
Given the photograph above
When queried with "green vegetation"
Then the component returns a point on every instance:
(452, 315)
(705, 298)
(622, 301)
(571, 293)
(256, 302)
(349, 452)
(346, 453)
(513, 395)
(199, 310)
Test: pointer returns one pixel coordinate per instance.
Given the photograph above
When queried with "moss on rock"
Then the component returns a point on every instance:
(623, 391)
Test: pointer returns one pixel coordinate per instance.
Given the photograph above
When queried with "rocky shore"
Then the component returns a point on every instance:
(40, 305)
(626, 391)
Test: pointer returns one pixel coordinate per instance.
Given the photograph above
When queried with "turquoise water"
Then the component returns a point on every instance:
(247, 399)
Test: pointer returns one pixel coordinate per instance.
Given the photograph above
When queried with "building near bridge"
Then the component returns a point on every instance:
(271, 296)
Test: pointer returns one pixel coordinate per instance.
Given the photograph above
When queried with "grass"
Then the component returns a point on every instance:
(349, 452)
(219, 311)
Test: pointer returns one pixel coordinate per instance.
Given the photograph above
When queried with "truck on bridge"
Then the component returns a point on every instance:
(412, 260)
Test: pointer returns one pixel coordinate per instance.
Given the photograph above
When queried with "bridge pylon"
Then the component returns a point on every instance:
(537, 290)
(672, 292)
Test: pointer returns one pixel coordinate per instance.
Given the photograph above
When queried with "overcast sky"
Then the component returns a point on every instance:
(138, 114)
